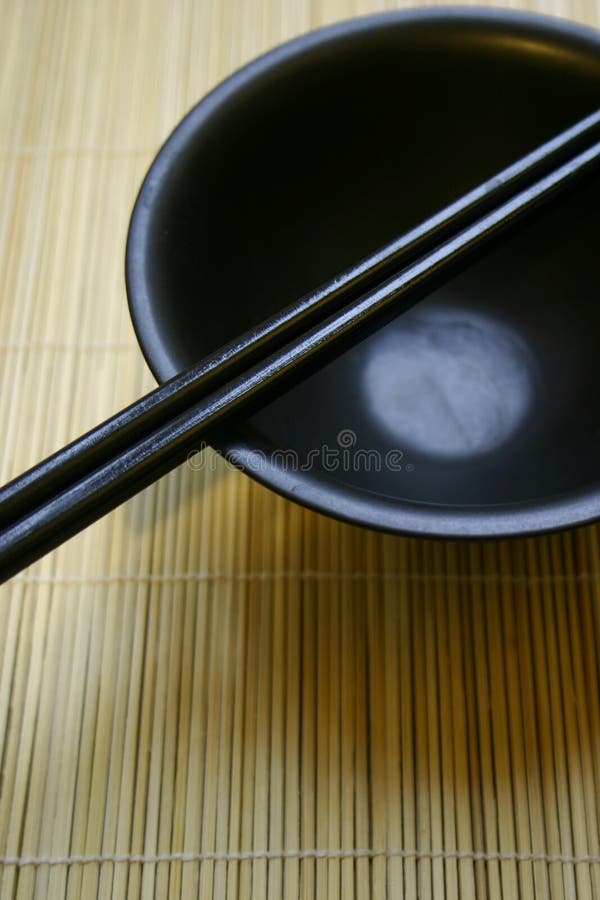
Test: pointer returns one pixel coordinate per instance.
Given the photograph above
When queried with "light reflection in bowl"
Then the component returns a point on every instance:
(450, 382)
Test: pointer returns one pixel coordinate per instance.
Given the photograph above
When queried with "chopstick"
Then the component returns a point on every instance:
(94, 474)
(80, 457)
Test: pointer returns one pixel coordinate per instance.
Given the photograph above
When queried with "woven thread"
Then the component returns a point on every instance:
(83, 150)
(413, 577)
(83, 347)
(282, 855)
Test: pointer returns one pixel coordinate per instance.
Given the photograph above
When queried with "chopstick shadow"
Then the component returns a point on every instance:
(178, 495)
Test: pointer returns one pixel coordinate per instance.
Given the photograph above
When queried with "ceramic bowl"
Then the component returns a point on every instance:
(475, 414)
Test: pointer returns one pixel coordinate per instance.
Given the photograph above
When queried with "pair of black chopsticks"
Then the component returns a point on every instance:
(57, 498)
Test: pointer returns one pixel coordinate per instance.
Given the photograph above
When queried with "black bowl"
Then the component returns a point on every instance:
(475, 414)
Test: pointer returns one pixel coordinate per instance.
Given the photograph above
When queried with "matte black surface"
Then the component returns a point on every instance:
(326, 148)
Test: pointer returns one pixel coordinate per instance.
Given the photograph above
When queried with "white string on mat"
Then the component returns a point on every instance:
(31, 150)
(309, 575)
(84, 346)
(282, 855)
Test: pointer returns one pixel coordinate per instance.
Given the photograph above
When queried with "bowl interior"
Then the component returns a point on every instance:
(484, 393)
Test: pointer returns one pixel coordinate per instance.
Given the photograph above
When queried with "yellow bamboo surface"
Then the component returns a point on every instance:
(213, 692)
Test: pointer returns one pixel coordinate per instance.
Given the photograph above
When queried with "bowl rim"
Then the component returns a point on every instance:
(320, 492)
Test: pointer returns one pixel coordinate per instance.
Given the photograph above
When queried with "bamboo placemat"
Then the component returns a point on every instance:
(213, 692)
